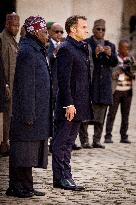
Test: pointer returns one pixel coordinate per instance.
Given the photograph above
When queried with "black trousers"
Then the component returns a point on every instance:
(65, 134)
(20, 178)
(99, 116)
(83, 133)
(23, 156)
(122, 98)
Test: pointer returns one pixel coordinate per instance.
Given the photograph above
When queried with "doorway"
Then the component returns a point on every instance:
(6, 6)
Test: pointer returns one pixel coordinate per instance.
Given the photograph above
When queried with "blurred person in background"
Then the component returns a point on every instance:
(122, 93)
(9, 48)
(105, 59)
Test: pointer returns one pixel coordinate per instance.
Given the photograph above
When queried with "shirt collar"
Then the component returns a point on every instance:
(55, 43)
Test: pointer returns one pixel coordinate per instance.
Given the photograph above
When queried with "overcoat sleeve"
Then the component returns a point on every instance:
(113, 60)
(25, 71)
(64, 69)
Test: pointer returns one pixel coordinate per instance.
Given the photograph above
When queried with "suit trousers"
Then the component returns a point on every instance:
(123, 98)
(65, 134)
(99, 117)
(20, 178)
(83, 133)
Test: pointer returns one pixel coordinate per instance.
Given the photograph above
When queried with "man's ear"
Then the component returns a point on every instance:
(36, 33)
(73, 29)
(7, 25)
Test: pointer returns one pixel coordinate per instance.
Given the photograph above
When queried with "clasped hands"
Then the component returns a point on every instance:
(104, 49)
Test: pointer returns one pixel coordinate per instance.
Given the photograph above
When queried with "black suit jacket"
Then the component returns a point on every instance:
(53, 67)
(74, 79)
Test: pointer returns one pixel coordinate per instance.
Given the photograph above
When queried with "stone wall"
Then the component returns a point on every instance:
(129, 9)
(60, 10)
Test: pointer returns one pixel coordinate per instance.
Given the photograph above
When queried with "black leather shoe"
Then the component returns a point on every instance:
(125, 141)
(86, 146)
(38, 193)
(68, 184)
(108, 140)
(98, 145)
(20, 193)
(75, 147)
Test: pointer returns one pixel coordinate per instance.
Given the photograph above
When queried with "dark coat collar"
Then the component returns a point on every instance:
(91, 39)
(79, 44)
(34, 42)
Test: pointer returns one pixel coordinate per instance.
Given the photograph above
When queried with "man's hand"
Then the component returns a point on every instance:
(70, 112)
(99, 49)
(107, 50)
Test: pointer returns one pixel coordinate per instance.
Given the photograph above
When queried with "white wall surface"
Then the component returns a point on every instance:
(60, 10)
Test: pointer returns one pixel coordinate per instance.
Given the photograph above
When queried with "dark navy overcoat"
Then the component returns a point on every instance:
(31, 93)
(74, 67)
(102, 73)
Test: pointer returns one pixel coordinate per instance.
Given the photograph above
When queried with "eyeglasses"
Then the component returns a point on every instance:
(100, 29)
(57, 31)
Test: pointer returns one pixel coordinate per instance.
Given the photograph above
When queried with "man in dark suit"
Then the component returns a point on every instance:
(56, 34)
(104, 58)
(73, 103)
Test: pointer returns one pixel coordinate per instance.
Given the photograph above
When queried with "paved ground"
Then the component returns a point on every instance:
(109, 175)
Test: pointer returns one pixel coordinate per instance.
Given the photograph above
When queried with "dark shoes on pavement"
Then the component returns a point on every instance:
(22, 193)
(67, 184)
(86, 146)
(108, 140)
(121, 141)
(125, 141)
(75, 147)
(98, 145)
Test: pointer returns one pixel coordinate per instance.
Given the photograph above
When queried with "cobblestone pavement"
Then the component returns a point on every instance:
(109, 175)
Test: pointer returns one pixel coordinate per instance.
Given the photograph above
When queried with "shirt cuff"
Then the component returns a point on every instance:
(69, 106)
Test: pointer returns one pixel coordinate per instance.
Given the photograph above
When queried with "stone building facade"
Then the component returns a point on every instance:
(60, 10)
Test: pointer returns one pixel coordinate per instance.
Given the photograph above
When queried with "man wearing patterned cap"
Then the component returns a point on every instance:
(31, 111)
(104, 58)
(9, 48)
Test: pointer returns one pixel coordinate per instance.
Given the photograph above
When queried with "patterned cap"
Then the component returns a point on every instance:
(34, 23)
